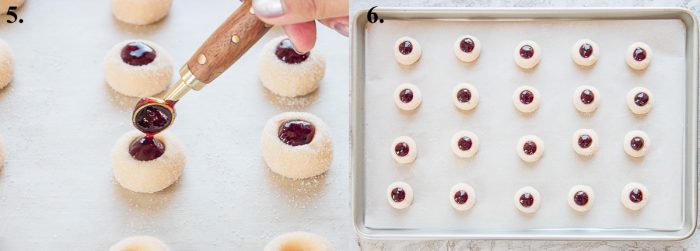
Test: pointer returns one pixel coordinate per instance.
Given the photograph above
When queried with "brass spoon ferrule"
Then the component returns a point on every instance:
(187, 82)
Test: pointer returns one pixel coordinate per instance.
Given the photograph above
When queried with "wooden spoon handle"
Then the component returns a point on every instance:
(227, 44)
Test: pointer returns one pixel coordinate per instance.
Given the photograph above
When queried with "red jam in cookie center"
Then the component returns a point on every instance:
(137, 54)
(296, 132)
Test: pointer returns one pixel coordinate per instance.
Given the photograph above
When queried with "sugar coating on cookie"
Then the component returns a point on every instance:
(297, 145)
(462, 197)
(526, 99)
(636, 143)
(638, 56)
(640, 100)
(288, 73)
(586, 98)
(407, 50)
(585, 52)
(585, 142)
(465, 144)
(530, 148)
(527, 200)
(581, 198)
(400, 195)
(465, 96)
(140, 243)
(140, 12)
(407, 97)
(634, 196)
(527, 54)
(147, 176)
(138, 68)
(404, 150)
(467, 48)
(299, 241)
(7, 64)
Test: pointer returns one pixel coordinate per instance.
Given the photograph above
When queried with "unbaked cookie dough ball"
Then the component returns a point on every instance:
(636, 143)
(7, 64)
(288, 73)
(585, 52)
(526, 99)
(467, 48)
(147, 165)
(17, 3)
(138, 68)
(640, 100)
(585, 142)
(140, 243)
(586, 98)
(465, 144)
(301, 241)
(140, 12)
(581, 198)
(404, 150)
(527, 54)
(407, 97)
(638, 56)
(527, 200)
(297, 145)
(634, 196)
(407, 50)
(400, 195)
(462, 197)
(465, 96)
(530, 148)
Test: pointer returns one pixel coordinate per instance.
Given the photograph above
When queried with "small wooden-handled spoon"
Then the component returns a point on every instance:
(224, 47)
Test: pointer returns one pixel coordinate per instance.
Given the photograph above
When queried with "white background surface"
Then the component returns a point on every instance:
(692, 243)
(59, 121)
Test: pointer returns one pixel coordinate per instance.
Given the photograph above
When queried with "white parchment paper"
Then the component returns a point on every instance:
(496, 172)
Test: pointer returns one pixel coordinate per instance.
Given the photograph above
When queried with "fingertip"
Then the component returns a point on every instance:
(302, 35)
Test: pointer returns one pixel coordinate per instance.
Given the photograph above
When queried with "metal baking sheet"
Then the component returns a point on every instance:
(668, 171)
(59, 121)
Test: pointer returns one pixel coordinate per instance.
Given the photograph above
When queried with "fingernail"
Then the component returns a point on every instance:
(341, 28)
(268, 8)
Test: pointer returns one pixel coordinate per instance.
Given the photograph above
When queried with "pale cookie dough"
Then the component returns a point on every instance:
(7, 64)
(640, 100)
(585, 142)
(465, 144)
(462, 197)
(407, 50)
(585, 52)
(407, 97)
(530, 148)
(465, 96)
(299, 241)
(399, 194)
(586, 98)
(140, 243)
(17, 3)
(286, 72)
(147, 176)
(636, 143)
(526, 99)
(140, 12)
(638, 56)
(291, 151)
(527, 200)
(527, 54)
(140, 80)
(581, 198)
(404, 150)
(634, 196)
(467, 48)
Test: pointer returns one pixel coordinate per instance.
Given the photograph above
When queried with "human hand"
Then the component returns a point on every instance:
(298, 18)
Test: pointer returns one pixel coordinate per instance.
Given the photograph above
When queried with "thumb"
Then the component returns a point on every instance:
(280, 12)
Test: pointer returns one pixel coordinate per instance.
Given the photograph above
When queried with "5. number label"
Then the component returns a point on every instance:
(13, 15)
